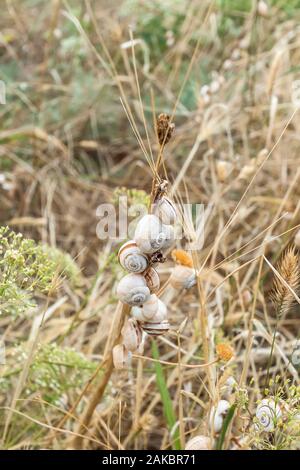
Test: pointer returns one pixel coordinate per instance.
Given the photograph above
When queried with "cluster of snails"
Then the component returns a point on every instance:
(154, 233)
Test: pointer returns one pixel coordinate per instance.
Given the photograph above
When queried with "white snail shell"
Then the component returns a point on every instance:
(198, 443)
(120, 356)
(217, 415)
(165, 210)
(268, 412)
(132, 335)
(160, 314)
(150, 308)
(131, 257)
(183, 277)
(137, 313)
(133, 290)
(152, 279)
(156, 329)
(151, 235)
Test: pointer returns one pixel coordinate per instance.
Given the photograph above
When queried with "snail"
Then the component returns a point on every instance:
(217, 415)
(150, 307)
(133, 290)
(131, 258)
(165, 210)
(183, 277)
(132, 335)
(152, 279)
(198, 443)
(267, 413)
(156, 329)
(120, 356)
(151, 235)
(153, 311)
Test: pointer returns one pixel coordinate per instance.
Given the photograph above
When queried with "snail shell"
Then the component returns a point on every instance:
(183, 277)
(156, 329)
(151, 235)
(133, 290)
(153, 311)
(268, 412)
(132, 335)
(217, 415)
(131, 258)
(150, 308)
(152, 279)
(120, 356)
(198, 443)
(165, 210)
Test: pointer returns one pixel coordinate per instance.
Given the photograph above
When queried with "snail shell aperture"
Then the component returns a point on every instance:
(151, 235)
(131, 257)
(133, 290)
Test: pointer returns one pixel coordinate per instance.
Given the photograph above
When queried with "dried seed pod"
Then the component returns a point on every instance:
(156, 329)
(120, 356)
(182, 257)
(165, 128)
(198, 443)
(131, 258)
(165, 210)
(133, 290)
(152, 279)
(132, 335)
(183, 277)
(151, 235)
(268, 413)
(217, 415)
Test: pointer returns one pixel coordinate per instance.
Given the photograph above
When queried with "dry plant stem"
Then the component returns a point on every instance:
(107, 365)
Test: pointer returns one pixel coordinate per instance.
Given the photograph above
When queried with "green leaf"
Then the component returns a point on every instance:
(226, 423)
(166, 399)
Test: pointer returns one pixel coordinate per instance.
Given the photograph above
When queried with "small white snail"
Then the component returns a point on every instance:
(152, 279)
(198, 443)
(133, 290)
(156, 329)
(165, 210)
(132, 335)
(153, 311)
(120, 356)
(217, 415)
(223, 170)
(131, 257)
(183, 277)
(150, 308)
(151, 235)
(267, 413)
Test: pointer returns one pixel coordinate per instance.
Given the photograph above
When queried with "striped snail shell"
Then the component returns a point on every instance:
(183, 277)
(267, 413)
(131, 258)
(152, 279)
(165, 210)
(156, 329)
(132, 335)
(217, 415)
(198, 443)
(133, 290)
(120, 356)
(151, 235)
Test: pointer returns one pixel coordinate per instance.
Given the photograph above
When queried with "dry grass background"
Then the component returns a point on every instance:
(66, 145)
